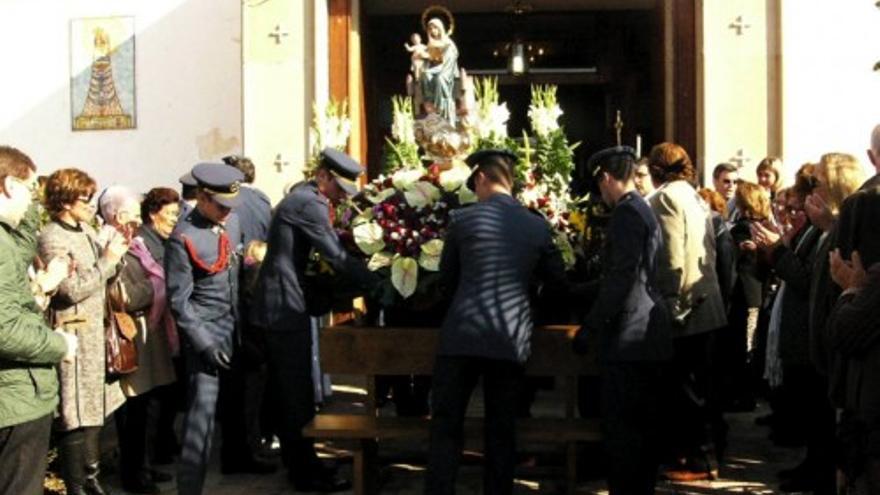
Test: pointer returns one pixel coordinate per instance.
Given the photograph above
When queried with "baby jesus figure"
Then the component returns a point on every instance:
(419, 54)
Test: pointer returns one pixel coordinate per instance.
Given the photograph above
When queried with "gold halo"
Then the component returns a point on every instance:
(432, 12)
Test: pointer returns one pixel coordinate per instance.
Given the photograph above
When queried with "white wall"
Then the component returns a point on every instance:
(831, 95)
(188, 88)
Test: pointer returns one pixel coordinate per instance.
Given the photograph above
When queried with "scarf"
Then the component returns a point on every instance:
(160, 313)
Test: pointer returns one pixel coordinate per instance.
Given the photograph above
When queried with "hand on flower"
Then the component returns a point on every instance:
(764, 236)
(216, 357)
(581, 342)
(72, 343)
(56, 271)
(847, 274)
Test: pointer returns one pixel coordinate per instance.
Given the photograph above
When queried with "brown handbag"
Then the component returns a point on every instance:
(120, 331)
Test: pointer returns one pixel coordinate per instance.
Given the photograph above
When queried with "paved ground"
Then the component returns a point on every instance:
(750, 467)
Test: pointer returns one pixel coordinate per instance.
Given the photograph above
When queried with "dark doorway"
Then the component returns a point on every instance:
(602, 61)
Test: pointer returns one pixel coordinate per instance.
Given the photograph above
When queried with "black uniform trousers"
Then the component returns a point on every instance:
(454, 380)
(23, 449)
(289, 356)
(630, 400)
(203, 388)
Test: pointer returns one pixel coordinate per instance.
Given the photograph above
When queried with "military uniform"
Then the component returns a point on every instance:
(492, 251)
(301, 222)
(201, 263)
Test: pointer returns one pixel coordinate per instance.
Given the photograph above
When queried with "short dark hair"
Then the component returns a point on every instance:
(497, 169)
(188, 192)
(722, 168)
(620, 167)
(244, 165)
(155, 200)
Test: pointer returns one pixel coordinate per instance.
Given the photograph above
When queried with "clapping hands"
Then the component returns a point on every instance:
(55, 272)
(847, 274)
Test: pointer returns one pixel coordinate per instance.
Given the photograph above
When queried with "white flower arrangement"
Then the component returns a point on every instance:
(331, 128)
(490, 122)
(544, 110)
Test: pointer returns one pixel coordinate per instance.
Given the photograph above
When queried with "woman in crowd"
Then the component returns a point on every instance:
(769, 173)
(79, 307)
(160, 210)
(687, 280)
(791, 248)
(141, 283)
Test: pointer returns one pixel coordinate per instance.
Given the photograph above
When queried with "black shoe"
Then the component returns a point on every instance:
(142, 483)
(249, 466)
(322, 484)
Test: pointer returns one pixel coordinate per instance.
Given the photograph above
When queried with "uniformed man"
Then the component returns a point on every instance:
(632, 324)
(301, 223)
(188, 189)
(201, 269)
(493, 250)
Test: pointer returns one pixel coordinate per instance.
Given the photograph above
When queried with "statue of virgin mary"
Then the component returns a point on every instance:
(438, 82)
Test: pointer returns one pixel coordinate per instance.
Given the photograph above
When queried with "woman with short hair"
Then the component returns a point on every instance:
(142, 281)
(79, 306)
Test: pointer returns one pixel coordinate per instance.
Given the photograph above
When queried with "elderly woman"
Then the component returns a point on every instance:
(142, 280)
(160, 210)
(687, 279)
(79, 307)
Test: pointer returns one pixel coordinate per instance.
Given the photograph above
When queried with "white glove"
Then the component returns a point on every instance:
(72, 344)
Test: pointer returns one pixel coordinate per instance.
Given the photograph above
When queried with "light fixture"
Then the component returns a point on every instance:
(518, 60)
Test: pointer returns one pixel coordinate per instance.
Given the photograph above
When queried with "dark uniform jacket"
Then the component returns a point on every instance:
(300, 223)
(491, 253)
(629, 312)
(203, 304)
(254, 214)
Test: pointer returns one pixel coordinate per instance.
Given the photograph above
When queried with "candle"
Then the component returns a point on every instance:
(638, 145)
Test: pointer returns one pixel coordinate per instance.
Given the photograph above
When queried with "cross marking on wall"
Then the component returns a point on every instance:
(279, 164)
(740, 159)
(277, 34)
(739, 25)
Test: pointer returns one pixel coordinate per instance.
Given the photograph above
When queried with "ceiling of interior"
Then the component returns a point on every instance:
(400, 7)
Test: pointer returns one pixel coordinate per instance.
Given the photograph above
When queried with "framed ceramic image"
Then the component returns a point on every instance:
(102, 83)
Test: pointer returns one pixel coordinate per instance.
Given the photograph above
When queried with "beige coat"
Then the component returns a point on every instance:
(86, 397)
(686, 266)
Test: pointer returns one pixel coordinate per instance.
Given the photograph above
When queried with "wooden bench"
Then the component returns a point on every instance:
(373, 351)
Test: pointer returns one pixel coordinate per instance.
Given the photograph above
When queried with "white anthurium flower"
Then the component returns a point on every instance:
(405, 275)
(453, 178)
(422, 194)
(429, 259)
(380, 260)
(380, 196)
(403, 179)
(365, 216)
(368, 237)
(466, 196)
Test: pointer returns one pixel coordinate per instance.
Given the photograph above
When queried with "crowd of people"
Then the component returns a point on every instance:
(709, 299)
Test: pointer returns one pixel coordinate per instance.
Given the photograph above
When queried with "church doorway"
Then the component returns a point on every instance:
(605, 57)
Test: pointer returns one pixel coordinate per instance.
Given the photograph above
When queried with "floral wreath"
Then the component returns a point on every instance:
(438, 11)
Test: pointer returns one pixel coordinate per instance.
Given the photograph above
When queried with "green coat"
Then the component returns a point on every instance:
(29, 349)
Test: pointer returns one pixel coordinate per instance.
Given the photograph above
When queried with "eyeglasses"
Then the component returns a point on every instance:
(86, 200)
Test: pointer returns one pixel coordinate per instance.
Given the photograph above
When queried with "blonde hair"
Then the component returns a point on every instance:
(753, 201)
(843, 176)
(774, 165)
